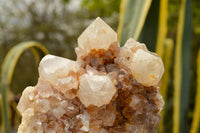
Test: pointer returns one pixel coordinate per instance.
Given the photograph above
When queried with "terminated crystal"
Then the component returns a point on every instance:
(59, 72)
(26, 100)
(134, 45)
(95, 90)
(108, 89)
(147, 68)
(98, 35)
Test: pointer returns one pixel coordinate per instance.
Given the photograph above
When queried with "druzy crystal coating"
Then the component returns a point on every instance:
(108, 89)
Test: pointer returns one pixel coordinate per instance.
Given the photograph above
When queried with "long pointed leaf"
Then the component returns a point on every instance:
(6, 76)
(150, 29)
(162, 27)
(196, 116)
(121, 18)
(182, 68)
(133, 20)
(167, 59)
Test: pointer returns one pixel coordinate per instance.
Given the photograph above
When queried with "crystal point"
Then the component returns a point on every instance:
(147, 68)
(134, 45)
(55, 69)
(98, 35)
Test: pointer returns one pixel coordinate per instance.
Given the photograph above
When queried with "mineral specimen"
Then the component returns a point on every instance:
(108, 89)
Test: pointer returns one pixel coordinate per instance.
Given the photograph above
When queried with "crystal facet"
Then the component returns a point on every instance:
(95, 90)
(134, 45)
(98, 35)
(147, 68)
(56, 70)
(108, 89)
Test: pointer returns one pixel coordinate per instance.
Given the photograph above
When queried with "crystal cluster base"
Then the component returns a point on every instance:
(108, 89)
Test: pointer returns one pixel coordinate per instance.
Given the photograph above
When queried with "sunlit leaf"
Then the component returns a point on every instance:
(167, 60)
(182, 69)
(162, 27)
(150, 30)
(196, 115)
(132, 17)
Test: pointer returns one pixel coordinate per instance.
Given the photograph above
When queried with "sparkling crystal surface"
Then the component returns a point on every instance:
(108, 89)
(98, 35)
(147, 68)
(134, 45)
(95, 90)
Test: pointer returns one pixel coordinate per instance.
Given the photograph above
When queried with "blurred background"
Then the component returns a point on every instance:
(170, 28)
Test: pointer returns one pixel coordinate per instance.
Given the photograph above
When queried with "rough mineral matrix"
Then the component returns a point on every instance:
(108, 89)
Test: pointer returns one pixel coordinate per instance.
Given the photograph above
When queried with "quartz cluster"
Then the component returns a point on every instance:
(108, 89)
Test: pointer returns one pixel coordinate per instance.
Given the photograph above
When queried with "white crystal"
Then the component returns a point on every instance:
(134, 45)
(98, 35)
(85, 119)
(65, 84)
(159, 101)
(91, 71)
(31, 122)
(44, 88)
(147, 68)
(53, 68)
(25, 101)
(60, 110)
(124, 55)
(28, 113)
(42, 105)
(95, 90)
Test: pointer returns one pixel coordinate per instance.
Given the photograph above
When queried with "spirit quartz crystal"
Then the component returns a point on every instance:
(108, 89)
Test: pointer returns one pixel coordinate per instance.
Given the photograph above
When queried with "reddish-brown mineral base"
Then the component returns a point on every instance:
(107, 90)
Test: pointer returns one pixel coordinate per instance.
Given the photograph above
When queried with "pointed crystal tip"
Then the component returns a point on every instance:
(98, 35)
(52, 68)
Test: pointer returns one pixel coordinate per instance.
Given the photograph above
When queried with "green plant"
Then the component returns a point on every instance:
(196, 117)
(167, 56)
(132, 18)
(182, 67)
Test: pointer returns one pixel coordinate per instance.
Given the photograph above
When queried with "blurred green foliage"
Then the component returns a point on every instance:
(102, 8)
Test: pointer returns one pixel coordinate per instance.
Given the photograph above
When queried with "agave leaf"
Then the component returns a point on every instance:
(132, 17)
(8, 67)
(121, 18)
(150, 30)
(36, 54)
(17, 115)
(164, 48)
(167, 59)
(196, 114)
(155, 28)
(182, 68)
(162, 27)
